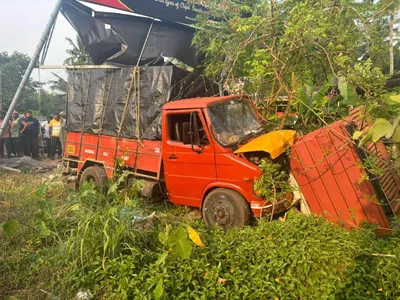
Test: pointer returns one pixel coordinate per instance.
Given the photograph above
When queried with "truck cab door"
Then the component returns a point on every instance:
(187, 172)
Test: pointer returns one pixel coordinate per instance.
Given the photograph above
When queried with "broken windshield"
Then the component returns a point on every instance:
(233, 121)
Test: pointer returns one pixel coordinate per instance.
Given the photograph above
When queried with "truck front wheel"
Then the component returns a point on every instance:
(95, 173)
(226, 208)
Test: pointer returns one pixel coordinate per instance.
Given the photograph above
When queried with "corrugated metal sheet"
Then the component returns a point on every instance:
(390, 181)
(328, 172)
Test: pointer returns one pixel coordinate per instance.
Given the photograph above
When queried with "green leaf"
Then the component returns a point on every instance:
(347, 91)
(319, 96)
(163, 237)
(161, 258)
(159, 290)
(291, 212)
(180, 243)
(396, 135)
(381, 128)
(10, 227)
(309, 94)
(302, 98)
(357, 134)
(112, 190)
(396, 122)
(366, 138)
(42, 190)
(397, 163)
(42, 228)
(395, 98)
(75, 207)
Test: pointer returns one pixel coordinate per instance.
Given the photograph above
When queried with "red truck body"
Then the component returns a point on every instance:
(328, 171)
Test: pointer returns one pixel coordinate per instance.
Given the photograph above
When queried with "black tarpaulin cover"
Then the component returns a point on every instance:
(118, 39)
(97, 99)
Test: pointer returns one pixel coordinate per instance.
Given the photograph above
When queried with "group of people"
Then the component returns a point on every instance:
(23, 134)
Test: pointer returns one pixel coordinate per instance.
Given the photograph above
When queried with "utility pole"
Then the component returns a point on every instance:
(391, 56)
(32, 63)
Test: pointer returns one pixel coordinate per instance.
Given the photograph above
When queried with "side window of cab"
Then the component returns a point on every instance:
(180, 121)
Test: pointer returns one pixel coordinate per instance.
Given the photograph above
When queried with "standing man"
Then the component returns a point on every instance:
(5, 138)
(46, 135)
(63, 131)
(55, 130)
(30, 131)
(16, 146)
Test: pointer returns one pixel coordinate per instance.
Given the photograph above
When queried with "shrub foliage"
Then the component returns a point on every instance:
(71, 240)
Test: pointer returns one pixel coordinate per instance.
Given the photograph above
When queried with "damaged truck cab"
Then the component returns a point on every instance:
(201, 168)
(207, 158)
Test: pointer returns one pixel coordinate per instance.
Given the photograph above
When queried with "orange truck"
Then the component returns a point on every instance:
(205, 156)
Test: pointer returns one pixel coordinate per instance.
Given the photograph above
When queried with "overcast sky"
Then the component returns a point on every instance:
(21, 25)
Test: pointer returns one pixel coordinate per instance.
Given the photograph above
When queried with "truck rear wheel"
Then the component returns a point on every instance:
(95, 173)
(226, 208)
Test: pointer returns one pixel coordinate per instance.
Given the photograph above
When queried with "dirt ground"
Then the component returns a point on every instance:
(28, 165)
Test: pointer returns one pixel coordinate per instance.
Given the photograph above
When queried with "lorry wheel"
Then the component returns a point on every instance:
(226, 208)
(97, 174)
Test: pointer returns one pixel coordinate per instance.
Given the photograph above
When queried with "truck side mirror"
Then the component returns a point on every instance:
(186, 134)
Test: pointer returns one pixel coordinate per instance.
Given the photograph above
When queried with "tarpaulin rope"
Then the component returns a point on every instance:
(104, 108)
(129, 96)
(106, 103)
(85, 110)
(137, 90)
(132, 84)
(86, 101)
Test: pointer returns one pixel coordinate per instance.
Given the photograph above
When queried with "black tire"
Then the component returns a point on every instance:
(226, 208)
(96, 173)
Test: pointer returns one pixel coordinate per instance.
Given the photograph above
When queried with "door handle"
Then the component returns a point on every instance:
(173, 156)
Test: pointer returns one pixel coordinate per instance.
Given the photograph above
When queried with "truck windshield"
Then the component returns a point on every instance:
(233, 121)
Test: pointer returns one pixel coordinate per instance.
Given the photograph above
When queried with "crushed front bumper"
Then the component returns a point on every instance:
(262, 208)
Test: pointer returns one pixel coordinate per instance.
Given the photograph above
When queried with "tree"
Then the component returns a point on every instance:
(393, 9)
(59, 86)
(52, 102)
(13, 68)
(55, 101)
(78, 54)
(280, 47)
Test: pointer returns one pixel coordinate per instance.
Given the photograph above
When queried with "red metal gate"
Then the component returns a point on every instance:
(329, 174)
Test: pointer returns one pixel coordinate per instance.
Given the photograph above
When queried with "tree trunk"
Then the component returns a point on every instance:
(391, 56)
(291, 95)
(273, 3)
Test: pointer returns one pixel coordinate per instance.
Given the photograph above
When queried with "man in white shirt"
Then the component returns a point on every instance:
(46, 135)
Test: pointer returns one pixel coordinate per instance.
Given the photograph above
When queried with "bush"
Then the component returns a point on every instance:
(87, 240)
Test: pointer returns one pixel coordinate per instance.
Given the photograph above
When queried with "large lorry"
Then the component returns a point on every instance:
(205, 155)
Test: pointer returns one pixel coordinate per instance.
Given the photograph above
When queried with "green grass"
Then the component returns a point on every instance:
(70, 240)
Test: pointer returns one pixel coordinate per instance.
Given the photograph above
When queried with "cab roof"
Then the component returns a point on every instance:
(199, 102)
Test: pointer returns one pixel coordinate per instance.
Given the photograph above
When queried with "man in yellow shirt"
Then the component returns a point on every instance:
(55, 129)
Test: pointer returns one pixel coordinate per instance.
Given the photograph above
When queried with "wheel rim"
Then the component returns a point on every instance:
(223, 212)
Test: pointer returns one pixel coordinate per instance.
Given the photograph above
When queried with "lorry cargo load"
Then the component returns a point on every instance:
(127, 102)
